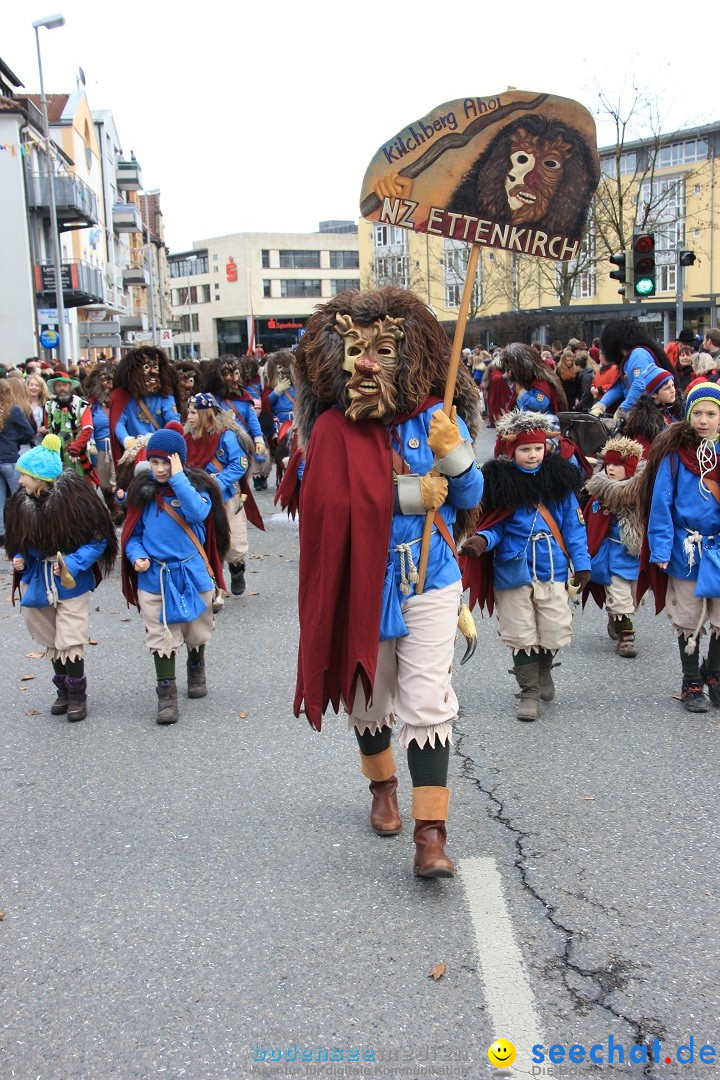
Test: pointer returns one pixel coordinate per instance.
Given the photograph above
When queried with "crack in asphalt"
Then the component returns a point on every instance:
(615, 976)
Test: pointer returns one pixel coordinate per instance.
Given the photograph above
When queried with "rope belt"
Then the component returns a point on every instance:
(49, 582)
(405, 553)
(547, 537)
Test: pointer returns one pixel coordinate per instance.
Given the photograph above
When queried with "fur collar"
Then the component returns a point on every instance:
(143, 490)
(507, 487)
(616, 495)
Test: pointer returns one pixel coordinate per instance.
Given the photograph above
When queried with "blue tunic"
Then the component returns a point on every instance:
(101, 425)
(245, 412)
(283, 405)
(612, 557)
(533, 400)
(133, 422)
(679, 508)
(234, 462)
(38, 575)
(631, 384)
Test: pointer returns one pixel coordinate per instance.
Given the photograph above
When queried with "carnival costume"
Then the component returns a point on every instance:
(180, 529)
(68, 416)
(62, 543)
(370, 370)
(530, 532)
(142, 401)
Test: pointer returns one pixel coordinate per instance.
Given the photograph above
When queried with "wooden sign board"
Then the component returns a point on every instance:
(515, 171)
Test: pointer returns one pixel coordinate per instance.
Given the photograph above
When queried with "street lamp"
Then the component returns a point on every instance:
(51, 23)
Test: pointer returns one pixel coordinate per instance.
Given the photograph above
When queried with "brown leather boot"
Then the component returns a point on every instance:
(430, 810)
(380, 771)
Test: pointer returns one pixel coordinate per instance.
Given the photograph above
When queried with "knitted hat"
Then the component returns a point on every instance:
(43, 461)
(655, 377)
(519, 428)
(165, 442)
(204, 401)
(622, 451)
(704, 391)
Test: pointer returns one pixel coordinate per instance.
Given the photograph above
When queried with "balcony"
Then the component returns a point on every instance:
(82, 284)
(75, 202)
(134, 322)
(126, 218)
(128, 176)
(136, 276)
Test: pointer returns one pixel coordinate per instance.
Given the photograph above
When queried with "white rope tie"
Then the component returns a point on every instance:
(691, 543)
(405, 553)
(49, 581)
(167, 636)
(707, 460)
(692, 640)
(543, 536)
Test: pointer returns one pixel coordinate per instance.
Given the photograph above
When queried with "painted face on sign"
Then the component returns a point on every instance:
(370, 358)
(536, 170)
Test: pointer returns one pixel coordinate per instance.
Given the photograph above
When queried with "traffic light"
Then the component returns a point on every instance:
(623, 273)
(643, 260)
(687, 258)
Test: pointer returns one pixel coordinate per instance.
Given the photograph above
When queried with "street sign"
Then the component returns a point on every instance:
(143, 337)
(49, 316)
(49, 339)
(166, 339)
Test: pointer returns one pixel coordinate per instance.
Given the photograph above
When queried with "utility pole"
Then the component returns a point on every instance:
(151, 275)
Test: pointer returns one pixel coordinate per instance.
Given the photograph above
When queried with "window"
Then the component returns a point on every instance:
(189, 267)
(681, 153)
(196, 294)
(391, 270)
(185, 324)
(300, 260)
(338, 285)
(453, 295)
(628, 165)
(266, 287)
(300, 287)
(344, 260)
(389, 236)
(215, 258)
(265, 258)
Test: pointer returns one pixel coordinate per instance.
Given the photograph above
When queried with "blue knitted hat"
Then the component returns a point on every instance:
(704, 391)
(43, 461)
(165, 442)
(205, 401)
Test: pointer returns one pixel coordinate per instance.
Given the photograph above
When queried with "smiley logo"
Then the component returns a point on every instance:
(501, 1053)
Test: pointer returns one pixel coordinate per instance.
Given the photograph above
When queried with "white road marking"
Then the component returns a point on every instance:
(507, 990)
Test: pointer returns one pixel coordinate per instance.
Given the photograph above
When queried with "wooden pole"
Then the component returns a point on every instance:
(450, 394)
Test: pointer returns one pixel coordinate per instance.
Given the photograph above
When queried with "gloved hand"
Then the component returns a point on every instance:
(444, 434)
(260, 450)
(598, 409)
(581, 579)
(433, 491)
(282, 386)
(474, 546)
(129, 441)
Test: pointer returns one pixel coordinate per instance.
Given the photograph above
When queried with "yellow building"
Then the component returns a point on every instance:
(664, 186)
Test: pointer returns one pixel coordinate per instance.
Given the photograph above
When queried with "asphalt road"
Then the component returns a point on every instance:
(180, 901)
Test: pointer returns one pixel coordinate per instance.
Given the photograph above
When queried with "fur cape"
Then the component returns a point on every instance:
(507, 487)
(646, 420)
(422, 359)
(622, 499)
(62, 518)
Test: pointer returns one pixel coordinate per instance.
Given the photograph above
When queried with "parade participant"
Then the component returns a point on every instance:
(680, 500)
(187, 376)
(97, 387)
(68, 416)
(536, 387)
(283, 394)
(212, 445)
(62, 543)
(142, 399)
(370, 371)
(628, 346)
(174, 540)
(614, 534)
(498, 391)
(532, 529)
(654, 411)
(223, 379)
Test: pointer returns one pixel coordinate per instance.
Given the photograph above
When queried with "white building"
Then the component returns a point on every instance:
(270, 282)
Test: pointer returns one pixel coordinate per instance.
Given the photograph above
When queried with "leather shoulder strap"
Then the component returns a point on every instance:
(713, 487)
(553, 527)
(188, 532)
(148, 415)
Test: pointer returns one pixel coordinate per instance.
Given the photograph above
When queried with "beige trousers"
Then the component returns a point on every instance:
(63, 630)
(413, 675)
(534, 616)
(620, 596)
(685, 609)
(237, 552)
(191, 634)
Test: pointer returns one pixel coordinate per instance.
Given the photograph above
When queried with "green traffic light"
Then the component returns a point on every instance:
(644, 286)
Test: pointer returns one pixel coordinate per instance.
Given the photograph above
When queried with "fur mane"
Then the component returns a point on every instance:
(621, 498)
(507, 487)
(524, 366)
(422, 360)
(129, 374)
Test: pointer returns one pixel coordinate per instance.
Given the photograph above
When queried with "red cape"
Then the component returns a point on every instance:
(598, 528)
(499, 394)
(288, 493)
(200, 452)
(346, 506)
(570, 449)
(118, 400)
(129, 573)
(477, 571)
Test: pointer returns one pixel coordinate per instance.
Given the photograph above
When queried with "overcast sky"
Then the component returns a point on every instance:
(264, 115)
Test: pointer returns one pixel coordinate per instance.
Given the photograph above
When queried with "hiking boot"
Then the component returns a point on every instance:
(528, 679)
(237, 578)
(625, 644)
(197, 686)
(612, 632)
(60, 705)
(77, 697)
(693, 699)
(547, 686)
(712, 681)
(167, 710)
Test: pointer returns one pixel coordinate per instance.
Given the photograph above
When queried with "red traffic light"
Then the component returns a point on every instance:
(644, 243)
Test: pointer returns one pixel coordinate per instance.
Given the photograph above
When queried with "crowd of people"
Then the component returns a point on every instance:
(356, 415)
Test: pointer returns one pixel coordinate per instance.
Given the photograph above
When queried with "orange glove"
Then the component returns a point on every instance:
(444, 434)
(433, 491)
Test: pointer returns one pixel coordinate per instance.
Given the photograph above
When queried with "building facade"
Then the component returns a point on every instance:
(666, 186)
(230, 290)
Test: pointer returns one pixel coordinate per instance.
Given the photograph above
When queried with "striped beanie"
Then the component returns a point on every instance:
(655, 377)
(704, 391)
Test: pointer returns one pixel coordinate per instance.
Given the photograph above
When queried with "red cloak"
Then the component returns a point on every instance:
(598, 528)
(118, 400)
(477, 570)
